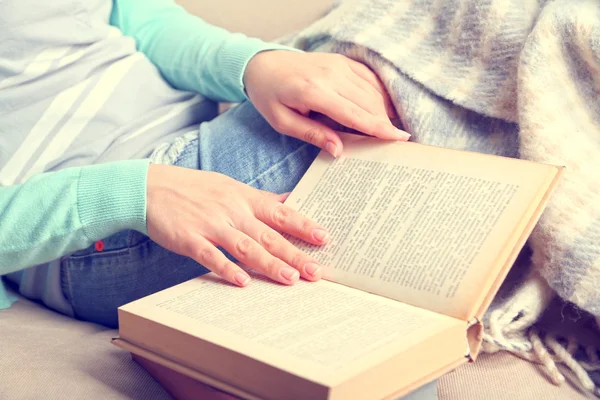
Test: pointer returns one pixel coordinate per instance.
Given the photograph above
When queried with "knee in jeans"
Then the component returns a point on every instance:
(171, 152)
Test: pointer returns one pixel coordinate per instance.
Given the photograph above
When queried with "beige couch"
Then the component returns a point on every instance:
(48, 356)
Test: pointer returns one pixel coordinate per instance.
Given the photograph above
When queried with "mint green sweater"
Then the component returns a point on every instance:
(53, 214)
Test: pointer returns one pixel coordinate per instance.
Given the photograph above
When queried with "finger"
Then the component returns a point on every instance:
(293, 124)
(283, 197)
(249, 252)
(373, 80)
(212, 258)
(349, 114)
(359, 92)
(285, 219)
(281, 248)
(367, 74)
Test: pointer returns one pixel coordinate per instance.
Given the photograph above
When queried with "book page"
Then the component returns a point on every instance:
(415, 223)
(321, 331)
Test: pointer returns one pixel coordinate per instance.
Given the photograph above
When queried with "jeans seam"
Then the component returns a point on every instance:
(277, 164)
(67, 291)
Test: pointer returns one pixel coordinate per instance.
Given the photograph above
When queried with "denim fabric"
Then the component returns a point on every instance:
(240, 144)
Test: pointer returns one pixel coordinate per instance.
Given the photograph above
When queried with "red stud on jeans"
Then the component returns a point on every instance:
(99, 245)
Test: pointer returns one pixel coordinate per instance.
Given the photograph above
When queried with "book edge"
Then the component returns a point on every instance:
(182, 369)
(478, 311)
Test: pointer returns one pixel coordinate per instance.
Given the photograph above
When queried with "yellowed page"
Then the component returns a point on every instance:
(321, 331)
(415, 223)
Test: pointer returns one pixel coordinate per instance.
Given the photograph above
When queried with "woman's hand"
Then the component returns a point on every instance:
(285, 86)
(192, 212)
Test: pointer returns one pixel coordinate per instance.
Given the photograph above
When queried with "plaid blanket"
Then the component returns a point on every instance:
(517, 78)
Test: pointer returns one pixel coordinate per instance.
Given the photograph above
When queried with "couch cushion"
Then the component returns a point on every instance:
(502, 376)
(50, 356)
(266, 19)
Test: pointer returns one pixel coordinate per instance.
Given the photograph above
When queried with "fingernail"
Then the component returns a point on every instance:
(242, 278)
(401, 134)
(312, 269)
(289, 274)
(331, 148)
(320, 235)
(283, 197)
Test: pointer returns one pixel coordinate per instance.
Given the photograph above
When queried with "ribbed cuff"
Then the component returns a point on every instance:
(235, 57)
(112, 197)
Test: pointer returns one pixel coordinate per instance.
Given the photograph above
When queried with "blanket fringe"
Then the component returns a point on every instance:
(549, 352)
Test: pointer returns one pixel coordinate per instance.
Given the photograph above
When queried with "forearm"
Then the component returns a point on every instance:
(191, 54)
(56, 213)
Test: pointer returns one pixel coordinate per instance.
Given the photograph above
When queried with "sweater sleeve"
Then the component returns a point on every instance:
(55, 213)
(190, 53)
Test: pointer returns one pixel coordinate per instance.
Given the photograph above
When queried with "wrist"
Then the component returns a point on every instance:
(255, 66)
(252, 72)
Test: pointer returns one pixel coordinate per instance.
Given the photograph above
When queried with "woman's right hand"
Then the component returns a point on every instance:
(192, 212)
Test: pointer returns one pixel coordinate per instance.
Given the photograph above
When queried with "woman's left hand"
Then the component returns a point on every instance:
(285, 86)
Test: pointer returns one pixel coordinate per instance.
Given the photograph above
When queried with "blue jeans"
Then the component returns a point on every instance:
(240, 144)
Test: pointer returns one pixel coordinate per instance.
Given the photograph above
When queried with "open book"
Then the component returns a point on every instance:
(421, 239)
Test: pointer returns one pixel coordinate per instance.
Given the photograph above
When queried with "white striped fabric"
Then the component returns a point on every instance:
(37, 68)
(82, 115)
(58, 110)
(74, 91)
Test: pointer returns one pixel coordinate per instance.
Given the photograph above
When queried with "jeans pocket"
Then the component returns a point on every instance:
(120, 242)
(94, 259)
(97, 283)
